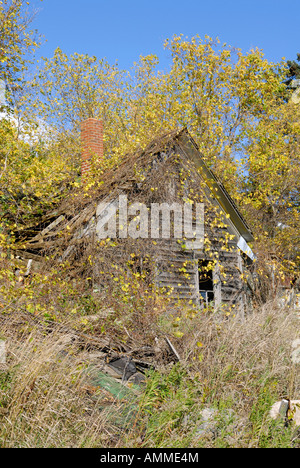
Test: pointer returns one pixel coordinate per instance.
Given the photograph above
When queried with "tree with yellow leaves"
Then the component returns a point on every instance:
(27, 179)
(17, 41)
(230, 102)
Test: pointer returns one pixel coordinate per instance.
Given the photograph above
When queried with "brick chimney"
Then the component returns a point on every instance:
(92, 143)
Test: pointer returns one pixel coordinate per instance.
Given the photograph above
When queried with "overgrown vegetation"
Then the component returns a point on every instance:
(235, 370)
(232, 370)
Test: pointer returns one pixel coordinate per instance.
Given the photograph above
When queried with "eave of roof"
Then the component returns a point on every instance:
(190, 148)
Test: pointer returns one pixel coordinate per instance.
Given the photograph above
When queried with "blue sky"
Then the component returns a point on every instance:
(122, 30)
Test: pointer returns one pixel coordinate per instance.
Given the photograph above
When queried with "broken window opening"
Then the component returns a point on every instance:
(206, 284)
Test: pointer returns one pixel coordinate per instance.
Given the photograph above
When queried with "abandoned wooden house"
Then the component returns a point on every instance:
(207, 267)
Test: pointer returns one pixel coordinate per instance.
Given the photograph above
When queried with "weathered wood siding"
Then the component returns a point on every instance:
(176, 270)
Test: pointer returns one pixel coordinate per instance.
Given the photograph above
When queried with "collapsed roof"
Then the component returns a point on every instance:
(75, 218)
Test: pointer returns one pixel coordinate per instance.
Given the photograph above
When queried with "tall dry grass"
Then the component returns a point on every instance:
(236, 352)
(46, 399)
(226, 363)
(238, 368)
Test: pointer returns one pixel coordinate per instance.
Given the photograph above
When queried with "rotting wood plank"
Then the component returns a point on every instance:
(30, 256)
(179, 275)
(176, 257)
(176, 279)
(48, 228)
(175, 286)
(184, 297)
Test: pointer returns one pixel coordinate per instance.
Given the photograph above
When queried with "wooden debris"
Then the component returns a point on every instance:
(173, 349)
(48, 229)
